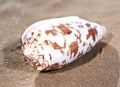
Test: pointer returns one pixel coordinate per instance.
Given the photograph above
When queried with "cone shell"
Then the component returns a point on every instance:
(53, 43)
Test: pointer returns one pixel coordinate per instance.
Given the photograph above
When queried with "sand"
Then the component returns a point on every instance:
(98, 68)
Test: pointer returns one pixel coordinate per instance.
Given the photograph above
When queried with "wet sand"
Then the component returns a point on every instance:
(98, 68)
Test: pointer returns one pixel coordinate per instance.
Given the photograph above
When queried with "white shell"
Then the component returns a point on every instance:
(52, 43)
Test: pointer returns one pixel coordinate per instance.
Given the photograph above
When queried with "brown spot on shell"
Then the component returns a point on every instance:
(29, 38)
(68, 25)
(46, 42)
(73, 48)
(89, 47)
(35, 46)
(64, 61)
(55, 45)
(34, 65)
(84, 43)
(54, 66)
(88, 36)
(78, 37)
(24, 43)
(92, 32)
(42, 48)
(39, 35)
(50, 56)
(64, 29)
(88, 25)
(43, 65)
(53, 32)
(35, 40)
(80, 26)
(64, 44)
(32, 33)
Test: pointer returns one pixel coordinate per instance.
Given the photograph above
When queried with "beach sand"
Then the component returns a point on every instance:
(98, 68)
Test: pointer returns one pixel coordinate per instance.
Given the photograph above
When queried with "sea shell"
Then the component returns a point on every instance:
(53, 43)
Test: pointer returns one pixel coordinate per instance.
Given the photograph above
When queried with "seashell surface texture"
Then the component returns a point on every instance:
(53, 43)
